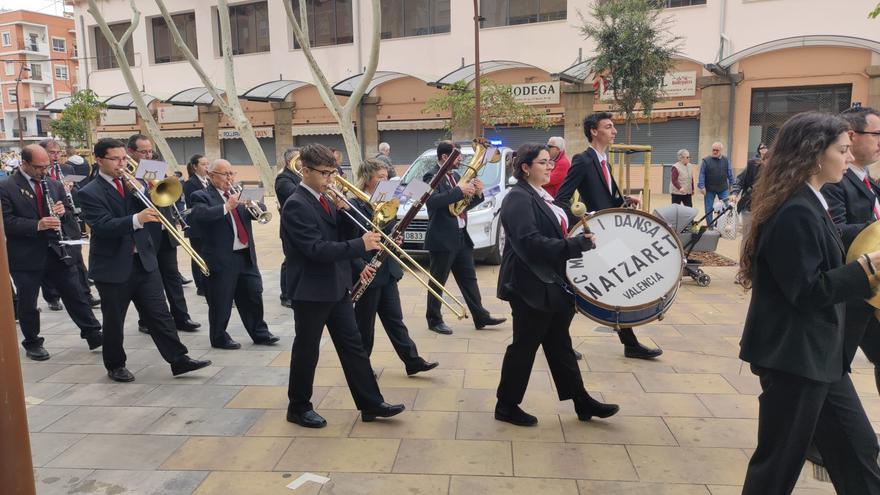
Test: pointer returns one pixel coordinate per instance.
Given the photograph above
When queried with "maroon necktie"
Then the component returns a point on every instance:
(119, 187)
(324, 203)
(239, 225)
(606, 175)
(38, 192)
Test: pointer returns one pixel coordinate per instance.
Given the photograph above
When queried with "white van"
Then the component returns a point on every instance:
(484, 226)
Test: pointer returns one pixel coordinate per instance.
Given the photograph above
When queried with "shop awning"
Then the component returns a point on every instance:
(316, 129)
(57, 105)
(346, 87)
(273, 90)
(577, 73)
(115, 134)
(124, 101)
(411, 125)
(663, 113)
(181, 133)
(467, 73)
(798, 42)
(191, 97)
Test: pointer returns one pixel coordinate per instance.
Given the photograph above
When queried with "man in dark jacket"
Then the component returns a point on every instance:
(285, 183)
(716, 176)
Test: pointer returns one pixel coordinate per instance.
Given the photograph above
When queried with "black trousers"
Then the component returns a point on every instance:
(384, 301)
(198, 277)
(310, 318)
(795, 410)
(683, 199)
(240, 283)
(145, 290)
(461, 264)
(66, 280)
(50, 293)
(283, 281)
(172, 283)
(533, 328)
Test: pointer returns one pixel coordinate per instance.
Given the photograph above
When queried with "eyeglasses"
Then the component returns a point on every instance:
(228, 175)
(144, 152)
(324, 173)
(112, 159)
(872, 133)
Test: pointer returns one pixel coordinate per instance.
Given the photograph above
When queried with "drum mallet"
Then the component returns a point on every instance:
(580, 210)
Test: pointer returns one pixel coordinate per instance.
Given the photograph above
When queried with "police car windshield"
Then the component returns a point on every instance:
(428, 163)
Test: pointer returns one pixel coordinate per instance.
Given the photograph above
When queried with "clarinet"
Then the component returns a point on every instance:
(58, 173)
(58, 243)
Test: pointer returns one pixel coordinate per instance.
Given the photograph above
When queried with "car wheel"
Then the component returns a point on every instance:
(494, 256)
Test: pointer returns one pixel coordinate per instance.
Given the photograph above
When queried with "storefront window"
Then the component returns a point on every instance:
(414, 17)
(330, 22)
(772, 107)
(510, 12)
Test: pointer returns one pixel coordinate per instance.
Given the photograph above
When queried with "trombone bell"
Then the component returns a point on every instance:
(867, 241)
(165, 192)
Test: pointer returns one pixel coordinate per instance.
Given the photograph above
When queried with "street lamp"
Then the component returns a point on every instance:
(22, 70)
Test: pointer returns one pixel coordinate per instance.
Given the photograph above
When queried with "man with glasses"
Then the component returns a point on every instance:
(229, 250)
(716, 177)
(561, 164)
(141, 148)
(123, 264)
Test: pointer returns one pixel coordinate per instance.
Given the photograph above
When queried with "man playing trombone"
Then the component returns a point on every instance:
(123, 264)
(228, 248)
(32, 221)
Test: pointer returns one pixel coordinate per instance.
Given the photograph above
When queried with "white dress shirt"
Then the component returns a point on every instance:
(236, 244)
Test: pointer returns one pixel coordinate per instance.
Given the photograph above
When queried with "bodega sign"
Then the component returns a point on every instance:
(539, 93)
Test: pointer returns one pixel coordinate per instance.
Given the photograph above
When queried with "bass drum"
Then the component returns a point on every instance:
(633, 275)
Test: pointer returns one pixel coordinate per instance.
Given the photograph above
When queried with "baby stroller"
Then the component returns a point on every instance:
(694, 236)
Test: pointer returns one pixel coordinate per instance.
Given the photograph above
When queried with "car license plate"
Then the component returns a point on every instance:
(413, 236)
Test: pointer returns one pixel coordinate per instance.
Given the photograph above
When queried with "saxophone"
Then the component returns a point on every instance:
(483, 154)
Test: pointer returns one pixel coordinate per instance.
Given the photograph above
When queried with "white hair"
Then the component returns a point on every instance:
(384, 148)
(558, 142)
(681, 153)
(718, 143)
(216, 163)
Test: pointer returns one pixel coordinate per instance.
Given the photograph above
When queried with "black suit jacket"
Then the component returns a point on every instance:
(317, 249)
(210, 217)
(190, 187)
(442, 234)
(795, 321)
(585, 176)
(113, 236)
(851, 205)
(533, 263)
(26, 247)
(390, 270)
(285, 184)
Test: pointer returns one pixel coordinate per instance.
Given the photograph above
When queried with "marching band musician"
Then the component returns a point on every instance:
(795, 333)
(285, 183)
(141, 148)
(123, 264)
(229, 249)
(319, 255)
(197, 180)
(382, 296)
(450, 247)
(590, 174)
(36, 256)
(531, 279)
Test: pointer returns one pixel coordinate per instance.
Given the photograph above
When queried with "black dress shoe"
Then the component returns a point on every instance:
(421, 366)
(270, 340)
(143, 329)
(639, 351)
(95, 341)
(514, 415)
(578, 356)
(94, 301)
(230, 345)
(37, 353)
(121, 375)
(441, 328)
(286, 303)
(383, 410)
(188, 364)
(586, 407)
(309, 419)
(490, 322)
(188, 326)
(56, 306)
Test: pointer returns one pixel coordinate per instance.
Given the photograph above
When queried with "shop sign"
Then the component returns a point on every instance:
(675, 85)
(538, 93)
(260, 132)
(177, 114)
(118, 117)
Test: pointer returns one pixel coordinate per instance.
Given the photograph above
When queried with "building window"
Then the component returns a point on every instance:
(10, 94)
(36, 73)
(75, 51)
(250, 28)
(164, 48)
(7, 38)
(10, 68)
(330, 22)
(510, 12)
(104, 54)
(414, 17)
(59, 45)
(772, 107)
(681, 3)
(61, 72)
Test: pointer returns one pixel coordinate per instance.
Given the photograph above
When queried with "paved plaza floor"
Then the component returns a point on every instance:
(687, 421)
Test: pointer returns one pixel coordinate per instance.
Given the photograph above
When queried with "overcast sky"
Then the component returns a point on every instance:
(55, 7)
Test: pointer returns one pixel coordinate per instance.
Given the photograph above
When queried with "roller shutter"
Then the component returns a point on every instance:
(406, 146)
(235, 151)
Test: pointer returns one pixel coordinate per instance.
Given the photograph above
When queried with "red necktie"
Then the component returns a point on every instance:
(453, 184)
(54, 174)
(239, 225)
(606, 175)
(119, 188)
(876, 210)
(38, 192)
(324, 203)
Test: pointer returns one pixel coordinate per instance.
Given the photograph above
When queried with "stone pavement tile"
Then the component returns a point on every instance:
(610, 382)
(160, 374)
(47, 446)
(539, 380)
(731, 406)
(657, 404)
(189, 396)
(227, 454)
(352, 455)
(385, 484)
(631, 488)
(688, 464)
(282, 360)
(249, 375)
(478, 347)
(340, 397)
(446, 343)
(241, 357)
(714, 432)
(102, 394)
(686, 383)
(872, 407)
(56, 481)
(85, 373)
(666, 329)
(575, 461)
(455, 399)
(269, 397)
(254, 483)
(273, 423)
(745, 383)
(600, 360)
(484, 485)
(201, 421)
(696, 362)
(629, 430)
(140, 482)
(436, 378)
(708, 344)
(864, 383)
(410, 424)
(328, 377)
(78, 355)
(467, 360)
(484, 426)
(715, 330)
(42, 415)
(93, 419)
(488, 458)
(33, 372)
(43, 391)
(141, 452)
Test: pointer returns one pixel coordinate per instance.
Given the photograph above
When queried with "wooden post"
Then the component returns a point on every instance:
(478, 119)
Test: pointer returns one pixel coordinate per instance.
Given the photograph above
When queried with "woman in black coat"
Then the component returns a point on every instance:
(793, 259)
(531, 279)
(741, 193)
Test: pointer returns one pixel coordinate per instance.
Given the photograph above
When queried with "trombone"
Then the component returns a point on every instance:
(381, 211)
(163, 193)
(257, 212)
